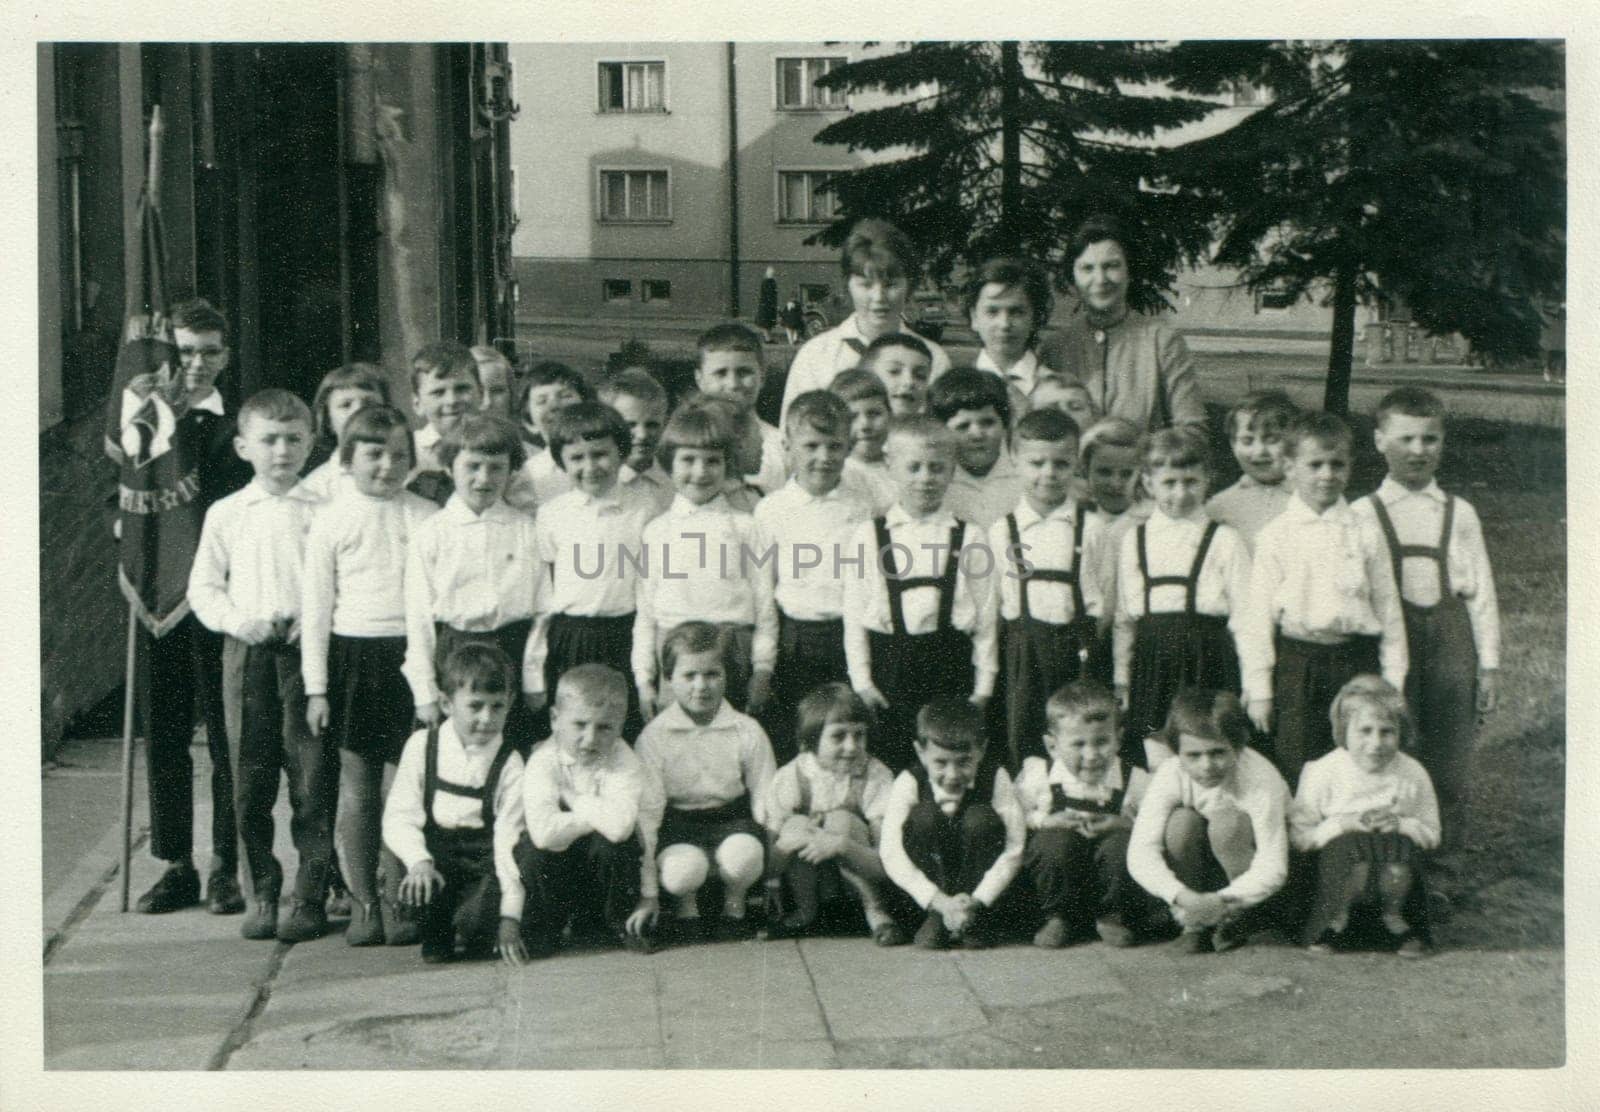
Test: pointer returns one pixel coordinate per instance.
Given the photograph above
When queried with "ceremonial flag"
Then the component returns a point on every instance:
(159, 485)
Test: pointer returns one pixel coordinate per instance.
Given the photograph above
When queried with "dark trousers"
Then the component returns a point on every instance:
(953, 851)
(1305, 678)
(264, 704)
(1083, 879)
(1442, 690)
(810, 654)
(469, 903)
(910, 670)
(177, 676)
(591, 881)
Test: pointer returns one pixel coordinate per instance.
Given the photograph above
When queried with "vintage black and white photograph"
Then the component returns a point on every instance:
(892, 554)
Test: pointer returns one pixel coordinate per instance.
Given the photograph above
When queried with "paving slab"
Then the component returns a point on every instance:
(580, 1002)
(753, 1054)
(1021, 977)
(739, 1005)
(465, 1039)
(171, 1052)
(871, 993)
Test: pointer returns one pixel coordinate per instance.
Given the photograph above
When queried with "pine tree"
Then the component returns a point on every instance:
(998, 148)
(1420, 173)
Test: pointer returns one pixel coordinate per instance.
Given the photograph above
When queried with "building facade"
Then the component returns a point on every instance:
(662, 179)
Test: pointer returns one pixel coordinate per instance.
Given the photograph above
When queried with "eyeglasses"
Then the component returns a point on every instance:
(210, 354)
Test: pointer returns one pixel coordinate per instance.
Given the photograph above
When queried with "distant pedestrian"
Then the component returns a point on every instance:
(793, 318)
(767, 305)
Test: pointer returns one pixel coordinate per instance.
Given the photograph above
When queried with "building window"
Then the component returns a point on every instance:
(633, 86)
(634, 196)
(797, 84)
(802, 198)
(1276, 296)
(616, 289)
(655, 289)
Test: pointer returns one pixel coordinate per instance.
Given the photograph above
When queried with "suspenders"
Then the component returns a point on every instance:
(431, 781)
(1190, 582)
(1439, 553)
(1061, 801)
(897, 585)
(1052, 575)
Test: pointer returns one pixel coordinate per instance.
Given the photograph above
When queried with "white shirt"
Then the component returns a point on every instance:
(1248, 505)
(702, 566)
(805, 529)
(1048, 546)
(426, 440)
(467, 765)
(327, 479)
(983, 501)
(473, 572)
(873, 481)
(1038, 775)
(822, 357)
(565, 800)
(805, 787)
(1418, 518)
(1321, 578)
(1253, 787)
(1171, 545)
(1113, 528)
(543, 477)
(654, 482)
(774, 470)
(1333, 787)
(866, 595)
(711, 765)
(1022, 376)
(247, 565)
(354, 579)
(914, 882)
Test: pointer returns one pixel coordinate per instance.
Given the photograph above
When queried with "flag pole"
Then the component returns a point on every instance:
(152, 184)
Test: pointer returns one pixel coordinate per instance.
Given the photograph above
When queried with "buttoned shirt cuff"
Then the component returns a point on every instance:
(512, 899)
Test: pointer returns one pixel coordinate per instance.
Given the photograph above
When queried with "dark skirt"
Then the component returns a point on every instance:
(1305, 678)
(511, 639)
(572, 640)
(910, 671)
(1039, 658)
(371, 710)
(709, 827)
(1172, 651)
(810, 654)
(1334, 862)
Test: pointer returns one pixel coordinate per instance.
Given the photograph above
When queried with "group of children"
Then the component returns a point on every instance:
(579, 635)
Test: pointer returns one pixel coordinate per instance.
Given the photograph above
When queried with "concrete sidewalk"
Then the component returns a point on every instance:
(184, 991)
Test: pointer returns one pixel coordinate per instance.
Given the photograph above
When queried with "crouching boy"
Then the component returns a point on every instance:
(953, 830)
(584, 793)
(454, 815)
(1079, 805)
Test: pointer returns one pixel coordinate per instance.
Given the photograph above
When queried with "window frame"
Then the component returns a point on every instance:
(629, 221)
(777, 83)
(778, 193)
(605, 293)
(666, 88)
(647, 298)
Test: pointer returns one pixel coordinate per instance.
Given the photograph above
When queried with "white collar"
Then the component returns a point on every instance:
(1299, 510)
(1026, 368)
(255, 492)
(425, 437)
(459, 511)
(211, 403)
(898, 515)
(448, 729)
(676, 718)
(1390, 491)
(1159, 520)
(683, 507)
(1026, 515)
(805, 497)
(1060, 775)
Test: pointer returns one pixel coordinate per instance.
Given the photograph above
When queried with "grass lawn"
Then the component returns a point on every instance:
(1515, 476)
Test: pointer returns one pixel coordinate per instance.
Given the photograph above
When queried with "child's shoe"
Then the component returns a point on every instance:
(177, 888)
(931, 935)
(1229, 935)
(1053, 935)
(222, 895)
(1328, 942)
(306, 920)
(400, 926)
(437, 951)
(688, 932)
(1413, 945)
(1113, 933)
(888, 933)
(1193, 940)
(366, 925)
(261, 922)
(642, 943)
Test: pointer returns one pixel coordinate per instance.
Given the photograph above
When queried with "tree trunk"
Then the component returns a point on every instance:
(1342, 342)
(1010, 237)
